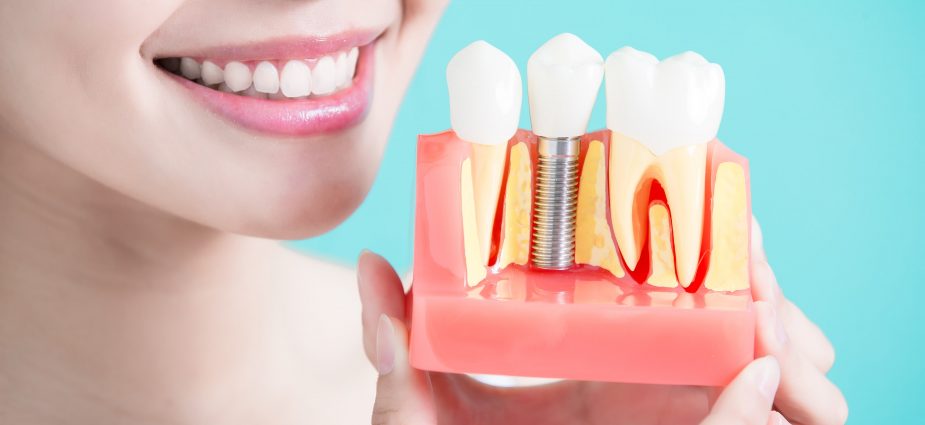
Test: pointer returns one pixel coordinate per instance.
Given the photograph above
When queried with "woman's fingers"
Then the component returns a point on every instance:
(403, 395)
(748, 399)
(381, 293)
(805, 395)
(777, 419)
(806, 336)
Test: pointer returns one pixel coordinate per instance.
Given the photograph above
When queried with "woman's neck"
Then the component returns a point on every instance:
(111, 311)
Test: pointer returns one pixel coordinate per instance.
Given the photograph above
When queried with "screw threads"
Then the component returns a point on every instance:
(555, 203)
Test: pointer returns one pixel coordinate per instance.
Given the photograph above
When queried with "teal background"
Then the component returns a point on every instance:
(823, 97)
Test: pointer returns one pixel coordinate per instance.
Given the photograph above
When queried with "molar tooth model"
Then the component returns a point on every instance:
(655, 288)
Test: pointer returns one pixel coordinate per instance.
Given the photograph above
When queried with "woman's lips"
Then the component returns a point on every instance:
(293, 117)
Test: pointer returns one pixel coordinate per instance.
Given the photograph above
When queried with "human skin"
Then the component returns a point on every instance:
(136, 283)
(138, 279)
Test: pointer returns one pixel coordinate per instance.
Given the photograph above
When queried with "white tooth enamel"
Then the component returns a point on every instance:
(252, 92)
(675, 102)
(485, 92)
(266, 78)
(352, 57)
(212, 74)
(662, 115)
(238, 76)
(190, 69)
(296, 79)
(324, 76)
(563, 78)
(340, 65)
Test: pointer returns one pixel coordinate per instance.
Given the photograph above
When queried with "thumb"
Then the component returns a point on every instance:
(748, 399)
(381, 293)
(403, 394)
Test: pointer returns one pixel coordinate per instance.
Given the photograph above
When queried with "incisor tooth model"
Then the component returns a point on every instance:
(485, 91)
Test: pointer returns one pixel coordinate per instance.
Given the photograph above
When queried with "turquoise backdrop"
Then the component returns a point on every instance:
(824, 97)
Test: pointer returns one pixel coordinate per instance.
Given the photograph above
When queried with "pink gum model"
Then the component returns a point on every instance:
(583, 323)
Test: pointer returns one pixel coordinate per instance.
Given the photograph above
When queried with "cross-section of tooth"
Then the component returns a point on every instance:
(190, 69)
(296, 79)
(266, 78)
(485, 92)
(212, 74)
(518, 203)
(238, 76)
(593, 242)
(324, 76)
(475, 270)
(728, 231)
(673, 109)
(662, 271)
(563, 79)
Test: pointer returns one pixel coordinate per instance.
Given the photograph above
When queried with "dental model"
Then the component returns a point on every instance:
(485, 95)
(619, 255)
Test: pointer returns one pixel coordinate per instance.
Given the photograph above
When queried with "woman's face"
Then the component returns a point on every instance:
(95, 85)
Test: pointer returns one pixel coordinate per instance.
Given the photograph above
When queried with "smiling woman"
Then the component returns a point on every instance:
(145, 150)
(152, 154)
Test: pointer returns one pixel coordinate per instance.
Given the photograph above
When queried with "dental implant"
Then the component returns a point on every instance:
(563, 79)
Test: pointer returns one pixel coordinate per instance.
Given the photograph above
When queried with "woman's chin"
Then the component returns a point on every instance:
(295, 215)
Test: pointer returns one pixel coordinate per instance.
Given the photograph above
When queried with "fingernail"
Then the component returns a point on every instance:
(779, 332)
(385, 345)
(363, 252)
(758, 239)
(768, 377)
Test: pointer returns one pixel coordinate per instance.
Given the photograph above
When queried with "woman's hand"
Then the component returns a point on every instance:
(796, 354)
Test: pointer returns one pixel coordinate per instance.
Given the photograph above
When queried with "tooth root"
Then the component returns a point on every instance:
(661, 252)
(518, 202)
(683, 176)
(475, 270)
(629, 194)
(728, 231)
(593, 242)
(487, 173)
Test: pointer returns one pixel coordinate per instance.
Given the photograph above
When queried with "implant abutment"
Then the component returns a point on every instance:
(555, 202)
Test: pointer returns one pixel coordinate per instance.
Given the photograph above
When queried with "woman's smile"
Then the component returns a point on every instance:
(296, 87)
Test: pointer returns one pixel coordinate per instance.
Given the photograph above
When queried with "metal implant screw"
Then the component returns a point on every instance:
(555, 203)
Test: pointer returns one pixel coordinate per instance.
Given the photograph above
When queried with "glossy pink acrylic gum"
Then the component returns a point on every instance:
(582, 324)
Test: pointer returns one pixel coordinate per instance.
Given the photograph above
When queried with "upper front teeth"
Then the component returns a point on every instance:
(292, 78)
(675, 102)
(266, 78)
